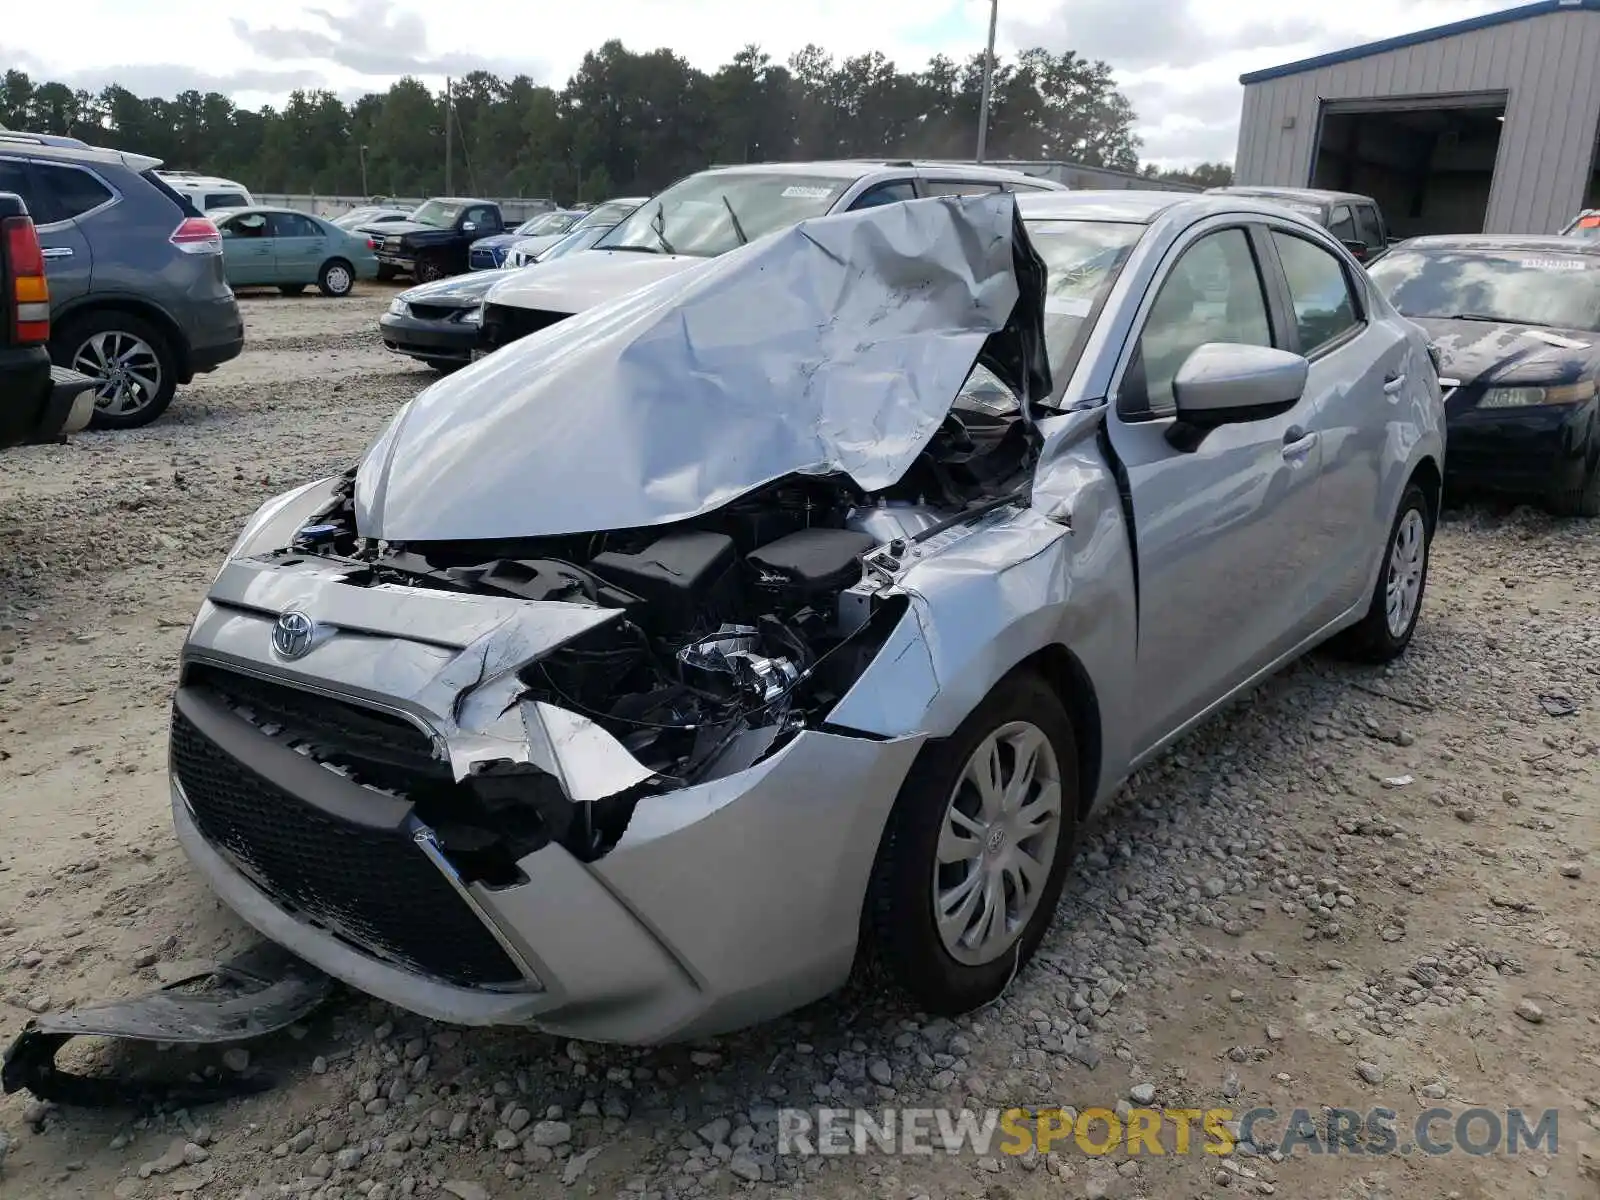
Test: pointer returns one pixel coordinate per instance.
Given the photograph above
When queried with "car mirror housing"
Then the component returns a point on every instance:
(469, 227)
(1222, 382)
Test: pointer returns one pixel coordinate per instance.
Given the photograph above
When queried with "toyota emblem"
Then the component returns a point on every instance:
(293, 634)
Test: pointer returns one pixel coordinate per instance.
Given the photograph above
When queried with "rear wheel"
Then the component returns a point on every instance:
(337, 278)
(1582, 500)
(1385, 632)
(976, 850)
(130, 361)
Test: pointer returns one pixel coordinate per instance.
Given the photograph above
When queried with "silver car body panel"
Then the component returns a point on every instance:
(904, 296)
(1154, 625)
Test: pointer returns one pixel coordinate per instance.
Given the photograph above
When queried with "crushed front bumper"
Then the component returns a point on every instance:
(721, 905)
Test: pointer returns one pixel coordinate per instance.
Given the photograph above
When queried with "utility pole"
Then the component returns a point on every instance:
(449, 144)
(988, 81)
(364, 192)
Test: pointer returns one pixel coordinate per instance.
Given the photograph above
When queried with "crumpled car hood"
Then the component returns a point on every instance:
(1508, 354)
(838, 345)
(578, 283)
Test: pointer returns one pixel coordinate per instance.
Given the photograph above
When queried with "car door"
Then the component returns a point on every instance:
(59, 197)
(1220, 522)
(247, 250)
(297, 247)
(1356, 378)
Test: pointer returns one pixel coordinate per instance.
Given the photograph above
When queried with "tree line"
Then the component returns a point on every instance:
(625, 123)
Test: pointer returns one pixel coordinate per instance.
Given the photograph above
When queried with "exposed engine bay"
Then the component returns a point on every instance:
(735, 630)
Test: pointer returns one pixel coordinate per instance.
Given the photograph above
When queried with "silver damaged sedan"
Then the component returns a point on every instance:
(645, 673)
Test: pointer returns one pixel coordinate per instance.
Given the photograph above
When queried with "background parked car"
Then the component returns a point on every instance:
(371, 217)
(288, 249)
(1585, 225)
(433, 242)
(138, 297)
(437, 323)
(1355, 220)
(604, 216)
(711, 212)
(489, 253)
(1515, 323)
(206, 192)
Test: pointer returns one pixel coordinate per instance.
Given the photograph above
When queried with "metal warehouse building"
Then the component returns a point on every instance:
(1485, 125)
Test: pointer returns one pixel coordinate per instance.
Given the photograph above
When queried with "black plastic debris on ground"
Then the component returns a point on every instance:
(260, 991)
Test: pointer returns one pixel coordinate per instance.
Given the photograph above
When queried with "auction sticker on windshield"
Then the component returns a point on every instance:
(1555, 264)
(797, 191)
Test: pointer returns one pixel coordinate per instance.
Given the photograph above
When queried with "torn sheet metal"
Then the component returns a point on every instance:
(590, 763)
(837, 345)
(260, 991)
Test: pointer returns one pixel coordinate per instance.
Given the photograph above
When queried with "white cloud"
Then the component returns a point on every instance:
(1178, 60)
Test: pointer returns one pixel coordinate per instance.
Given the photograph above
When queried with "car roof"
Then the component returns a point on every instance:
(89, 156)
(1137, 207)
(1553, 243)
(190, 179)
(461, 200)
(860, 168)
(1316, 195)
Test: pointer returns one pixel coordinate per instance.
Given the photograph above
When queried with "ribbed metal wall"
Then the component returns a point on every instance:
(1549, 65)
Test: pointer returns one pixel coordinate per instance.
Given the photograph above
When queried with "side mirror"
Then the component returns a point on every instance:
(469, 227)
(1223, 382)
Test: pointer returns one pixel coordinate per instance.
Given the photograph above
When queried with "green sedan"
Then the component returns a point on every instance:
(263, 247)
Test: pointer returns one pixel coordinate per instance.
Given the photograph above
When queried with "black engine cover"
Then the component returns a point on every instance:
(674, 575)
(812, 563)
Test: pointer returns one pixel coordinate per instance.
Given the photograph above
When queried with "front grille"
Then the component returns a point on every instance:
(434, 312)
(505, 323)
(372, 887)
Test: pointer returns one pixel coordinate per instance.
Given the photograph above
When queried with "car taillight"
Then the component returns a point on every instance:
(197, 235)
(371, 244)
(30, 293)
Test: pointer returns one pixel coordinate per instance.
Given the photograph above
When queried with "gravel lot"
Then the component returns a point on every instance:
(1356, 889)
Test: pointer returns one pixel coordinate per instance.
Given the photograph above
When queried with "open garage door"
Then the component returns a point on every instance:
(1427, 160)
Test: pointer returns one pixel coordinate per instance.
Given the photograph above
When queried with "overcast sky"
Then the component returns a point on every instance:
(1177, 60)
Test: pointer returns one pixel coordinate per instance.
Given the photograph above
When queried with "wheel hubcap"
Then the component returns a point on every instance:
(339, 279)
(125, 369)
(1403, 590)
(997, 843)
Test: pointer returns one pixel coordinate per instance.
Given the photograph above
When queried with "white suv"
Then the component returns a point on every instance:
(710, 213)
(206, 192)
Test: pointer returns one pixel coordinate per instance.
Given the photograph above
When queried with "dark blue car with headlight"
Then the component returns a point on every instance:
(489, 253)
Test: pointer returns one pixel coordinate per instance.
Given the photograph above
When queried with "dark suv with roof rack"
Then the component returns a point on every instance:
(138, 299)
(1355, 220)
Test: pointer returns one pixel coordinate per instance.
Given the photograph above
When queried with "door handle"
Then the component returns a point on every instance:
(1297, 443)
(56, 252)
(1393, 384)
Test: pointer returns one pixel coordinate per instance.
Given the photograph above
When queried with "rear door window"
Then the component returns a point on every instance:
(294, 225)
(15, 177)
(886, 193)
(1342, 224)
(1367, 230)
(226, 200)
(1324, 310)
(67, 192)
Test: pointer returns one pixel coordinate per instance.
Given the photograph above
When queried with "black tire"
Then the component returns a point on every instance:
(1581, 500)
(444, 365)
(75, 344)
(429, 269)
(899, 914)
(1372, 640)
(337, 278)
(291, 289)
(386, 273)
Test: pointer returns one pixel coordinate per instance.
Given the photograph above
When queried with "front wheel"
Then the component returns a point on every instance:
(429, 269)
(336, 278)
(385, 273)
(976, 850)
(1385, 632)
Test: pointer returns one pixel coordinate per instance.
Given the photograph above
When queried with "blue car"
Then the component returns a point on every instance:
(489, 253)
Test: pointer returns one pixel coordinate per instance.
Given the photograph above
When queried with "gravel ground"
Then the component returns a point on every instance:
(1355, 889)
